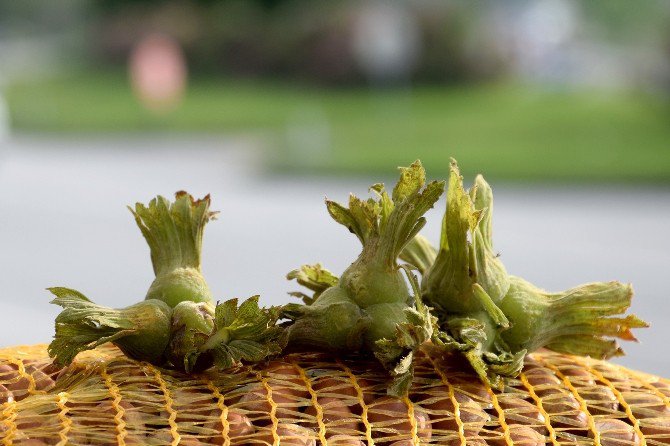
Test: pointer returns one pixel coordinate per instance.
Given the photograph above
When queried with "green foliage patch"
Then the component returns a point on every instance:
(508, 131)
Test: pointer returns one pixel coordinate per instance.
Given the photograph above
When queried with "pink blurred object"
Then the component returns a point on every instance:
(158, 72)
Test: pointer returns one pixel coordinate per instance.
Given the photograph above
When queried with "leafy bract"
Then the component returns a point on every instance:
(494, 318)
(141, 330)
(370, 306)
(313, 277)
(244, 332)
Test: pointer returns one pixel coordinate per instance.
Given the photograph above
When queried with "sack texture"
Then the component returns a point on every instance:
(104, 398)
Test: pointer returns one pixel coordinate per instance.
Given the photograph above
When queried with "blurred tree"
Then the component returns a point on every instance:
(116, 5)
(314, 40)
(307, 41)
(623, 20)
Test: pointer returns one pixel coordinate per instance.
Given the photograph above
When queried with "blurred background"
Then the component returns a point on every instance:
(270, 105)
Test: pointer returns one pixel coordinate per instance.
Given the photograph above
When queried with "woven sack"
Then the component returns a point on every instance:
(104, 398)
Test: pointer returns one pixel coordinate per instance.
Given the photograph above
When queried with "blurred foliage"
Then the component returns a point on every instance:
(247, 59)
(32, 18)
(623, 20)
(507, 131)
(311, 41)
(306, 41)
(116, 5)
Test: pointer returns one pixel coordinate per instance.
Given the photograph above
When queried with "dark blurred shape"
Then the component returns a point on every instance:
(328, 43)
(158, 72)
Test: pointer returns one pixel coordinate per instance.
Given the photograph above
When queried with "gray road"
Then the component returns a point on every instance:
(63, 222)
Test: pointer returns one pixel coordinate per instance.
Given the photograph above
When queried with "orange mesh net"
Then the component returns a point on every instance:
(104, 398)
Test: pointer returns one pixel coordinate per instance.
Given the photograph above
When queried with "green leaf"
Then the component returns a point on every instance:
(192, 324)
(468, 336)
(174, 230)
(344, 217)
(224, 358)
(306, 299)
(249, 311)
(411, 180)
(505, 364)
(248, 350)
(567, 319)
(293, 311)
(225, 313)
(313, 277)
(64, 294)
(407, 219)
(593, 346)
(396, 354)
(388, 352)
(461, 217)
(141, 330)
(246, 332)
(418, 226)
(487, 304)
(366, 213)
(400, 384)
(385, 203)
(419, 253)
(487, 268)
(384, 226)
(448, 282)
